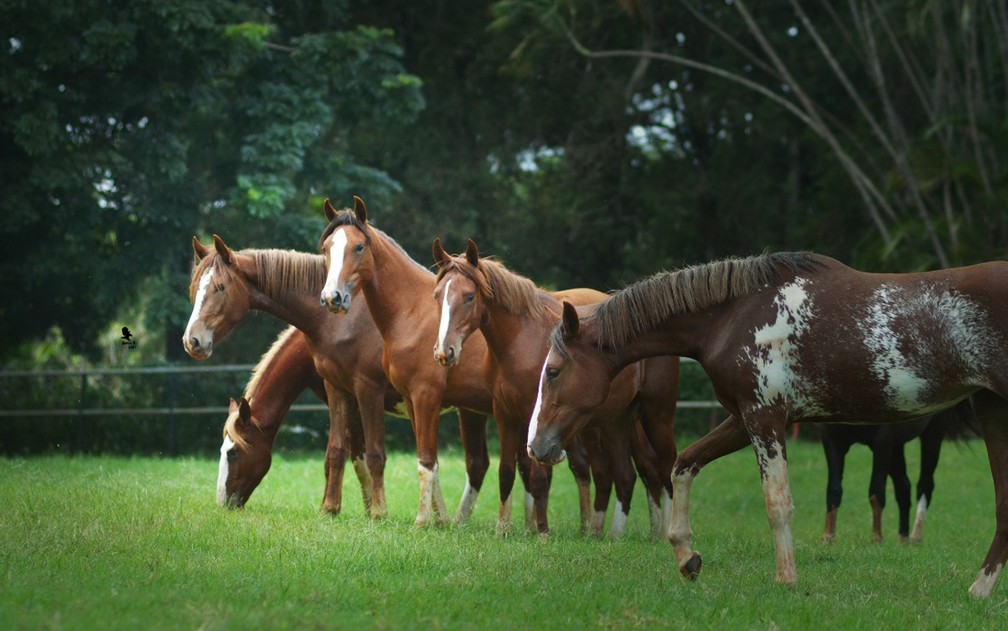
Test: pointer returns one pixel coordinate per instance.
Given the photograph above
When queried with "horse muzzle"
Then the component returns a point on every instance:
(335, 301)
(546, 454)
(196, 348)
(446, 356)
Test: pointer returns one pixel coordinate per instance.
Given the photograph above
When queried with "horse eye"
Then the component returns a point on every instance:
(232, 455)
(470, 297)
(552, 373)
(220, 286)
(359, 249)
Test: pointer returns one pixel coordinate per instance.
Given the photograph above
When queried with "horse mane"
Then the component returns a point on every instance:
(644, 305)
(264, 361)
(511, 291)
(276, 270)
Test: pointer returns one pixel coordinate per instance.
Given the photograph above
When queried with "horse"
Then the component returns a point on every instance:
(516, 317)
(227, 284)
(794, 337)
(886, 443)
(284, 372)
(361, 258)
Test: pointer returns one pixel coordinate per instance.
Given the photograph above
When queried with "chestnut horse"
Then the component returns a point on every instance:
(397, 291)
(886, 443)
(791, 337)
(283, 373)
(516, 318)
(227, 284)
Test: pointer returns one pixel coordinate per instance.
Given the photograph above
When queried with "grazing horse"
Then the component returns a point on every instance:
(227, 284)
(516, 318)
(283, 373)
(791, 337)
(397, 289)
(886, 443)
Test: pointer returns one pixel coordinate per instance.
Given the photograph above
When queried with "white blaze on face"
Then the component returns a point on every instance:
(201, 291)
(222, 470)
(445, 318)
(337, 246)
(534, 421)
(775, 355)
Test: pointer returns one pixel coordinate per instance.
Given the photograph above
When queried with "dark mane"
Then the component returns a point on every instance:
(515, 293)
(644, 305)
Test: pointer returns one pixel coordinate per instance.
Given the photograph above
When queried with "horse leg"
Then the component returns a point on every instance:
(930, 444)
(991, 411)
(510, 445)
(472, 431)
(901, 488)
(659, 394)
(577, 459)
(726, 438)
(617, 437)
(881, 448)
(371, 402)
(424, 410)
(647, 468)
(602, 475)
(835, 449)
(767, 438)
(540, 479)
(336, 449)
(356, 432)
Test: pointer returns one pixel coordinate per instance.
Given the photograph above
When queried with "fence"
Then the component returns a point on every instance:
(100, 415)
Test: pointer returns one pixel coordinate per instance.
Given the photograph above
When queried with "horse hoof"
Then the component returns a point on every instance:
(331, 511)
(691, 568)
(828, 538)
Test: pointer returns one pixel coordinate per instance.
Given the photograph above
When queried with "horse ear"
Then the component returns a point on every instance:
(360, 209)
(223, 250)
(571, 323)
(244, 411)
(199, 250)
(232, 406)
(440, 256)
(328, 210)
(472, 253)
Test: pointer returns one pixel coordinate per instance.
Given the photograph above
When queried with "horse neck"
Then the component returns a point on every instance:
(278, 382)
(502, 327)
(681, 335)
(396, 286)
(294, 305)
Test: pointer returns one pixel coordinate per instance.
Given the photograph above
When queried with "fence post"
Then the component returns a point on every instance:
(82, 404)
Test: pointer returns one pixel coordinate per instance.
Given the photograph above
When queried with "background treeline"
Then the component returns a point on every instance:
(583, 142)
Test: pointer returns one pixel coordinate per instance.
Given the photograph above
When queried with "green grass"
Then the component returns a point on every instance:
(139, 543)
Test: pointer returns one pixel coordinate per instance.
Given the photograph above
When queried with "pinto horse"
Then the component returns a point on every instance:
(516, 318)
(227, 284)
(362, 258)
(791, 337)
(886, 443)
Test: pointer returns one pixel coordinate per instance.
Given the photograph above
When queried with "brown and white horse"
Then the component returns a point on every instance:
(227, 284)
(792, 337)
(516, 318)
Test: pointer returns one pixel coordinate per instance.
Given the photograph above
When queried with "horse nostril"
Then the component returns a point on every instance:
(194, 342)
(451, 353)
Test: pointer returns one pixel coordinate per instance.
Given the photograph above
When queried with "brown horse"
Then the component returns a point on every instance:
(794, 337)
(397, 289)
(283, 373)
(227, 284)
(516, 318)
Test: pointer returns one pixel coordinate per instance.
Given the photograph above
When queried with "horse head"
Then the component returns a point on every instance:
(574, 382)
(245, 456)
(219, 295)
(460, 293)
(345, 243)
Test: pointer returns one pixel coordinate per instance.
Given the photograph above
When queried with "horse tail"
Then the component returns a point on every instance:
(957, 423)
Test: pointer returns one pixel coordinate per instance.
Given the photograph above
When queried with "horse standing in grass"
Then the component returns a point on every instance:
(227, 284)
(792, 337)
(516, 318)
(397, 291)
(886, 443)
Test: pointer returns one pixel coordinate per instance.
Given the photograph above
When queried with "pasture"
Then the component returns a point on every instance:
(93, 542)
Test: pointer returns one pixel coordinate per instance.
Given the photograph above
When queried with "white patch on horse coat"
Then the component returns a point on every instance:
(779, 503)
(467, 503)
(958, 331)
(428, 483)
(922, 508)
(445, 318)
(336, 248)
(619, 520)
(776, 352)
(534, 421)
(222, 470)
(201, 290)
(530, 516)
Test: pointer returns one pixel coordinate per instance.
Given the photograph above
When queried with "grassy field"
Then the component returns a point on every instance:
(139, 543)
